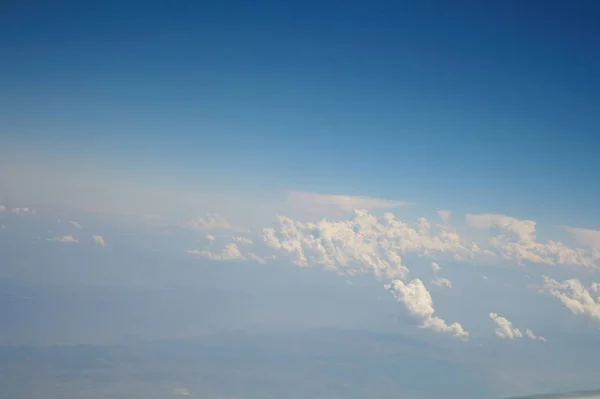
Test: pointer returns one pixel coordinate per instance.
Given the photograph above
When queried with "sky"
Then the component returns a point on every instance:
(426, 169)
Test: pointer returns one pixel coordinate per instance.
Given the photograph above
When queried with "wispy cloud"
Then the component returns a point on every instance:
(346, 203)
(66, 239)
(99, 240)
(75, 224)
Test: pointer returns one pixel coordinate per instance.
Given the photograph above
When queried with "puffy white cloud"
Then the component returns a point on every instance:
(531, 335)
(67, 239)
(504, 328)
(242, 240)
(347, 203)
(22, 211)
(442, 282)
(364, 244)
(210, 237)
(211, 221)
(445, 216)
(586, 237)
(75, 224)
(574, 296)
(436, 267)
(99, 240)
(417, 300)
(516, 241)
(230, 252)
(595, 287)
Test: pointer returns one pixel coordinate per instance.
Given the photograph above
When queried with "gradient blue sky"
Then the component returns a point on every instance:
(202, 167)
(474, 106)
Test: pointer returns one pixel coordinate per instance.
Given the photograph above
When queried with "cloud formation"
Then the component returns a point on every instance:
(230, 252)
(67, 239)
(574, 296)
(211, 221)
(442, 282)
(242, 240)
(75, 224)
(417, 300)
(99, 240)
(445, 216)
(585, 237)
(505, 330)
(347, 203)
(22, 211)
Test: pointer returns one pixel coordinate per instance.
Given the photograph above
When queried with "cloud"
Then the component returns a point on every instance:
(22, 211)
(585, 237)
(75, 224)
(445, 216)
(516, 241)
(2, 208)
(574, 296)
(505, 330)
(531, 335)
(99, 240)
(212, 221)
(346, 203)
(363, 244)
(182, 392)
(256, 258)
(210, 237)
(230, 252)
(419, 304)
(436, 267)
(68, 239)
(484, 277)
(242, 240)
(442, 282)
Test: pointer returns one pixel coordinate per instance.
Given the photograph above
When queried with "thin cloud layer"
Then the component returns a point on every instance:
(346, 203)
(66, 239)
(211, 221)
(417, 300)
(585, 237)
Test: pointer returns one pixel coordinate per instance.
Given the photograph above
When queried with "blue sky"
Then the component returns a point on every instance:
(246, 154)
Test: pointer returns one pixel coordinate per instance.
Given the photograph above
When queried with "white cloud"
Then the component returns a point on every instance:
(531, 335)
(20, 211)
(484, 277)
(2, 208)
(436, 267)
(347, 203)
(585, 237)
(516, 241)
(230, 252)
(419, 304)
(574, 296)
(210, 237)
(595, 287)
(253, 257)
(364, 244)
(182, 392)
(442, 282)
(242, 240)
(504, 328)
(68, 239)
(3, 227)
(212, 221)
(75, 224)
(445, 216)
(99, 240)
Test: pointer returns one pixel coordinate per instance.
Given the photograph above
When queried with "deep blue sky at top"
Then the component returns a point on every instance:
(486, 105)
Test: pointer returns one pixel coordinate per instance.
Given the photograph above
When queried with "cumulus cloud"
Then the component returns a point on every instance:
(574, 296)
(585, 237)
(436, 267)
(99, 240)
(75, 224)
(442, 282)
(516, 241)
(212, 221)
(67, 239)
(347, 203)
(417, 300)
(505, 330)
(363, 244)
(22, 211)
(230, 252)
(242, 240)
